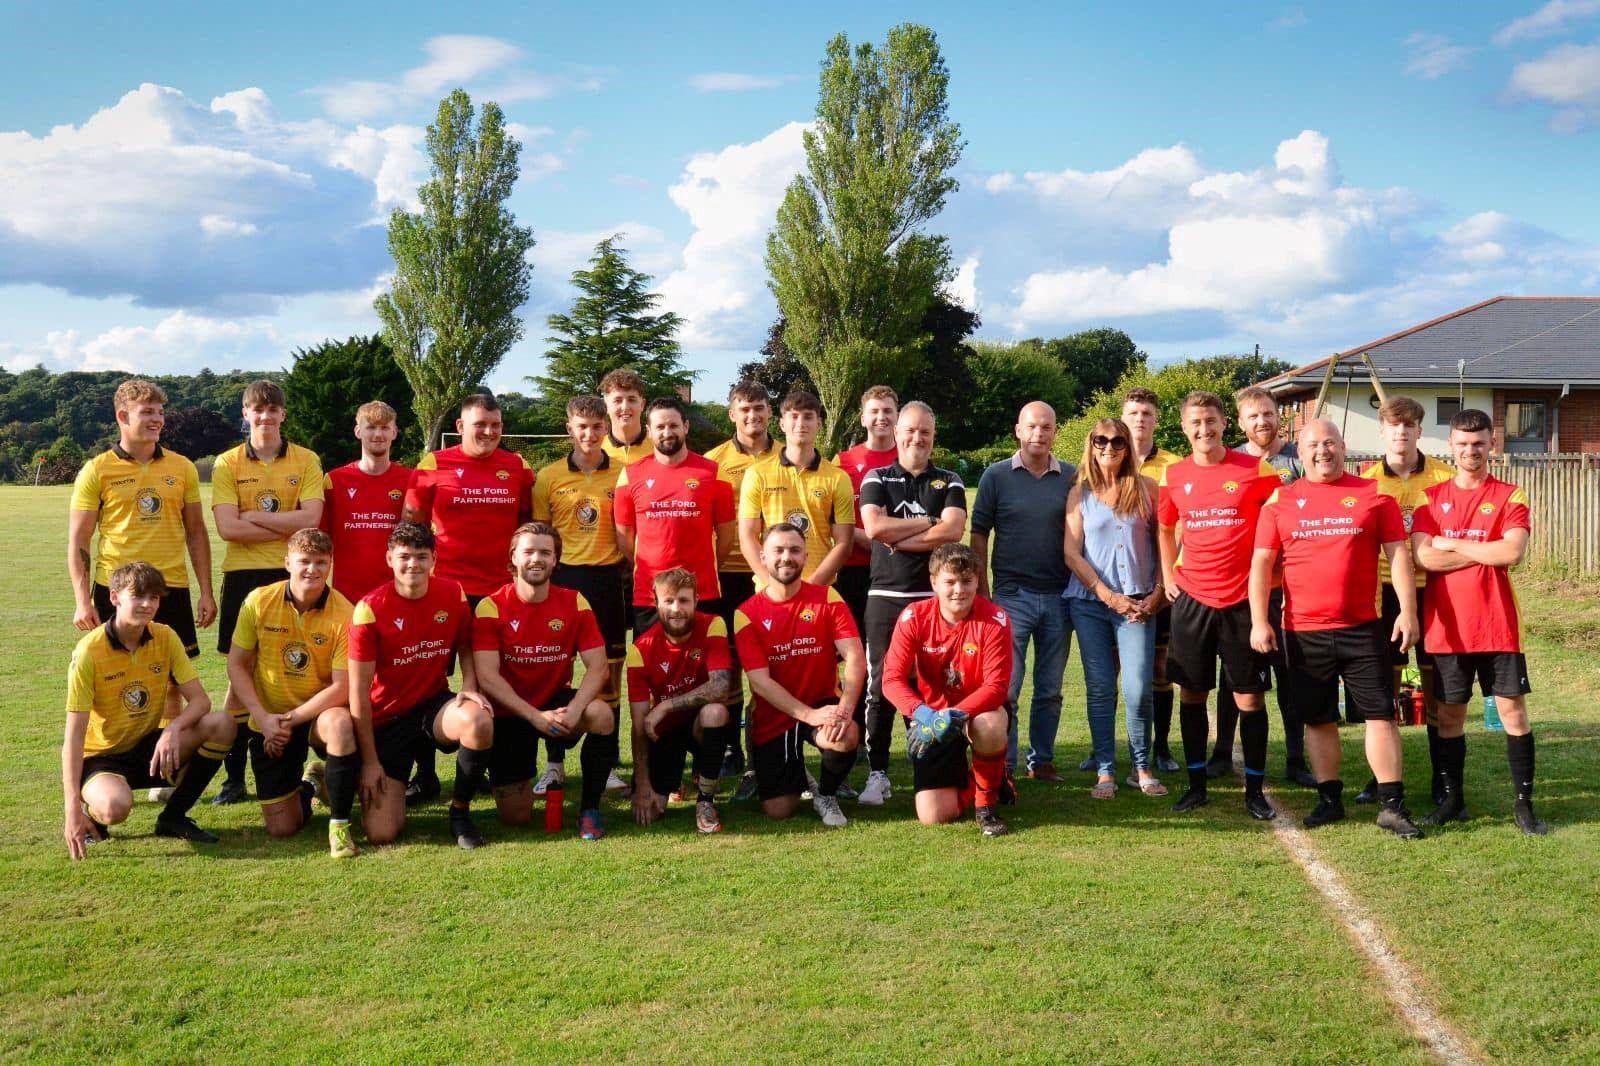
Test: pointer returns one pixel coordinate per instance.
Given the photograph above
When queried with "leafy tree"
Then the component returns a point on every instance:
(612, 325)
(1242, 370)
(848, 262)
(1172, 383)
(1095, 358)
(461, 268)
(196, 432)
(777, 368)
(329, 381)
(1004, 377)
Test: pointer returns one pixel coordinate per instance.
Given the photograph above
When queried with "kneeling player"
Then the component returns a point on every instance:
(791, 636)
(948, 670)
(402, 636)
(286, 668)
(116, 690)
(524, 638)
(679, 675)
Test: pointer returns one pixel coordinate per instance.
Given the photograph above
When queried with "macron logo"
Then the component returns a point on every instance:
(1300, 504)
(663, 668)
(649, 482)
(766, 623)
(516, 624)
(1188, 487)
(351, 491)
(399, 623)
(1445, 507)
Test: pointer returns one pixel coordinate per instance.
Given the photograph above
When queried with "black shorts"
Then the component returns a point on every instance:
(1201, 635)
(1359, 655)
(133, 765)
(176, 611)
(645, 617)
(780, 763)
(1164, 628)
(1498, 673)
(943, 767)
(398, 740)
(516, 744)
(277, 778)
(669, 755)
(236, 585)
(736, 589)
(1391, 614)
(602, 587)
(852, 584)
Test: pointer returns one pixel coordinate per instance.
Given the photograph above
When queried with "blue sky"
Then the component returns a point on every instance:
(188, 187)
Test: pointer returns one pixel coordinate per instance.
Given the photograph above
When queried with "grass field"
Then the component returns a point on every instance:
(1095, 932)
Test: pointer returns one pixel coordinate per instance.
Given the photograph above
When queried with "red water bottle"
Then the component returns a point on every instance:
(553, 798)
(1418, 708)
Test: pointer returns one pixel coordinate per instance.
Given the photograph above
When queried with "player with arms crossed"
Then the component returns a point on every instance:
(948, 670)
(362, 501)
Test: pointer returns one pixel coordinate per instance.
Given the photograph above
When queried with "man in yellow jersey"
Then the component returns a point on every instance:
(287, 667)
(1406, 474)
(800, 487)
(574, 495)
(1141, 412)
(115, 741)
(627, 438)
(750, 410)
(261, 492)
(145, 501)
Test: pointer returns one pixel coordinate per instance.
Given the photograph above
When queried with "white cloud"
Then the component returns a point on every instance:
(223, 226)
(1550, 19)
(1566, 77)
(179, 343)
(963, 288)
(1432, 56)
(1290, 18)
(730, 82)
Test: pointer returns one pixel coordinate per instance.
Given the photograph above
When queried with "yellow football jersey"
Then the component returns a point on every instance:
(1410, 492)
(733, 460)
(251, 483)
(123, 690)
(578, 504)
(815, 497)
(141, 510)
(296, 653)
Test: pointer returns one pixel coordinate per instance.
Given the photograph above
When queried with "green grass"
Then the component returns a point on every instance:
(1096, 932)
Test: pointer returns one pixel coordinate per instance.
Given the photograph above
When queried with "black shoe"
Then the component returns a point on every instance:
(1327, 812)
(733, 764)
(419, 792)
(230, 792)
(990, 823)
(1369, 794)
(1190, 800)
(1449, 809)
(1530, 824)
(1218, 766)
(1397, 820)
(182, 827)
(1300, 774)
(1008, 790)
(1439, 789)
(466, 834)
(1259, 808)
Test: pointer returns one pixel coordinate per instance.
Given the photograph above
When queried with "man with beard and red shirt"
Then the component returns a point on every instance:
(791, 636)
(948, 671)
(1215, 496)
(362, 502)
(1470, 532)
(679, 677)
(472, 496)
(1329, 528)
(525, 636)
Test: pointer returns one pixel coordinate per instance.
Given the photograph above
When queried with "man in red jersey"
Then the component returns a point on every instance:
(679, 676)
(402, 638)
(1468, 535)
(1215, 495)
(472, 496)
(525, 636)
(791, 636)
(672, 510)
(880, 408)
(1329, 528)
(948, 670)
(362, 502)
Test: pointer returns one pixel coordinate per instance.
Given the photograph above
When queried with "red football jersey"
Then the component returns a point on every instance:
(1331, 536)
(410, 641)
(659, 667)
(965, 666)
(856, 462)
(794, 642)
(358, 511)
(1473, 609)
(537, 642)
(1217, 506)
(474, 505)
(675, 512)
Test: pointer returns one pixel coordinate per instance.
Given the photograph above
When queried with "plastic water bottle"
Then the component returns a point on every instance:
(554, 797)
(1491, 714)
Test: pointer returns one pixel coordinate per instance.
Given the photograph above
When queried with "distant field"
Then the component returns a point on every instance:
(1096, 932)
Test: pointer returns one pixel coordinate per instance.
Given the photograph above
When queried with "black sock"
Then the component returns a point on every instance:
(1433, 752)
(470, 763)
(427, 773)
(1452, 762)
(835, 768)
(1227, 719)
(1193, 727)
(1519, 753)
(194, 777)
(595, 759)
(1253, 739)
(1392, 794)
(1331, 791)
(1162, 698)
(341, 779)
(708, 756)
(1294, 734)
(237, 756)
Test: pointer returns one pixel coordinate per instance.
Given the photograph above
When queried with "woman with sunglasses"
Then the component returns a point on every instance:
(1113, 596)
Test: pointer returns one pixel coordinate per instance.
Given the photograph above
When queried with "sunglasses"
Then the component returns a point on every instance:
(1103, 443)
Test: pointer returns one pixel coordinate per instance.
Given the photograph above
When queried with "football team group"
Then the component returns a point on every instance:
(840, 591)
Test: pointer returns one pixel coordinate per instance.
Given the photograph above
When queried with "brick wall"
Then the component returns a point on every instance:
(1579, 424)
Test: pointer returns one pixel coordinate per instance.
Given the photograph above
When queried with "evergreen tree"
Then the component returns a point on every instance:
(329, 381)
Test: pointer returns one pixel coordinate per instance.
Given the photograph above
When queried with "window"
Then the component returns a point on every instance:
(1449, 407)
(1525, 420)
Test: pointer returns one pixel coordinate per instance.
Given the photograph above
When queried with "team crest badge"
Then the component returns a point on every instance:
(296, 657)
(319, 639)
(691, 483)
(611, 494)
(169, 481)
(817, 493)
(294, 481)
(1286, 476)
(135, 697)
(1487, 508)
(156, 668)
(396, 494)
(695, 654)
(588, 513)
(503, 475)
(798, 520)
(1230, 486)
(441, 617)
(149, 502)
(268, 501)
(939, 484)
(808, 615)
(969, 648)
(557, 625)
(1348, 501)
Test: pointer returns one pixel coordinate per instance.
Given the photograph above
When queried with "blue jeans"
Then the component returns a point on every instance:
(1104, 638)
(1039, 617)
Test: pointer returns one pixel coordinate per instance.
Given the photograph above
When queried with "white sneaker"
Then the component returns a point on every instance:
(615, 783)
(877, 789)
(827, 808)
(553, 775)
(159, 795)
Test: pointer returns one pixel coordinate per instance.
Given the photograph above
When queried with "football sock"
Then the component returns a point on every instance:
(988, 771)
(1452, 762)
(708, 756)
(237, 755)
(194, 777)
(1253, 739)
(427, 772)
(341, 778)
(1331, 791)
(835, 768)
(1294, 733)
(1392, 794)
(1193, 727)
(1227, 719)
(1519, 753)
(470, 763)
(595, 758)
(1434, 761)
(1162, 699)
